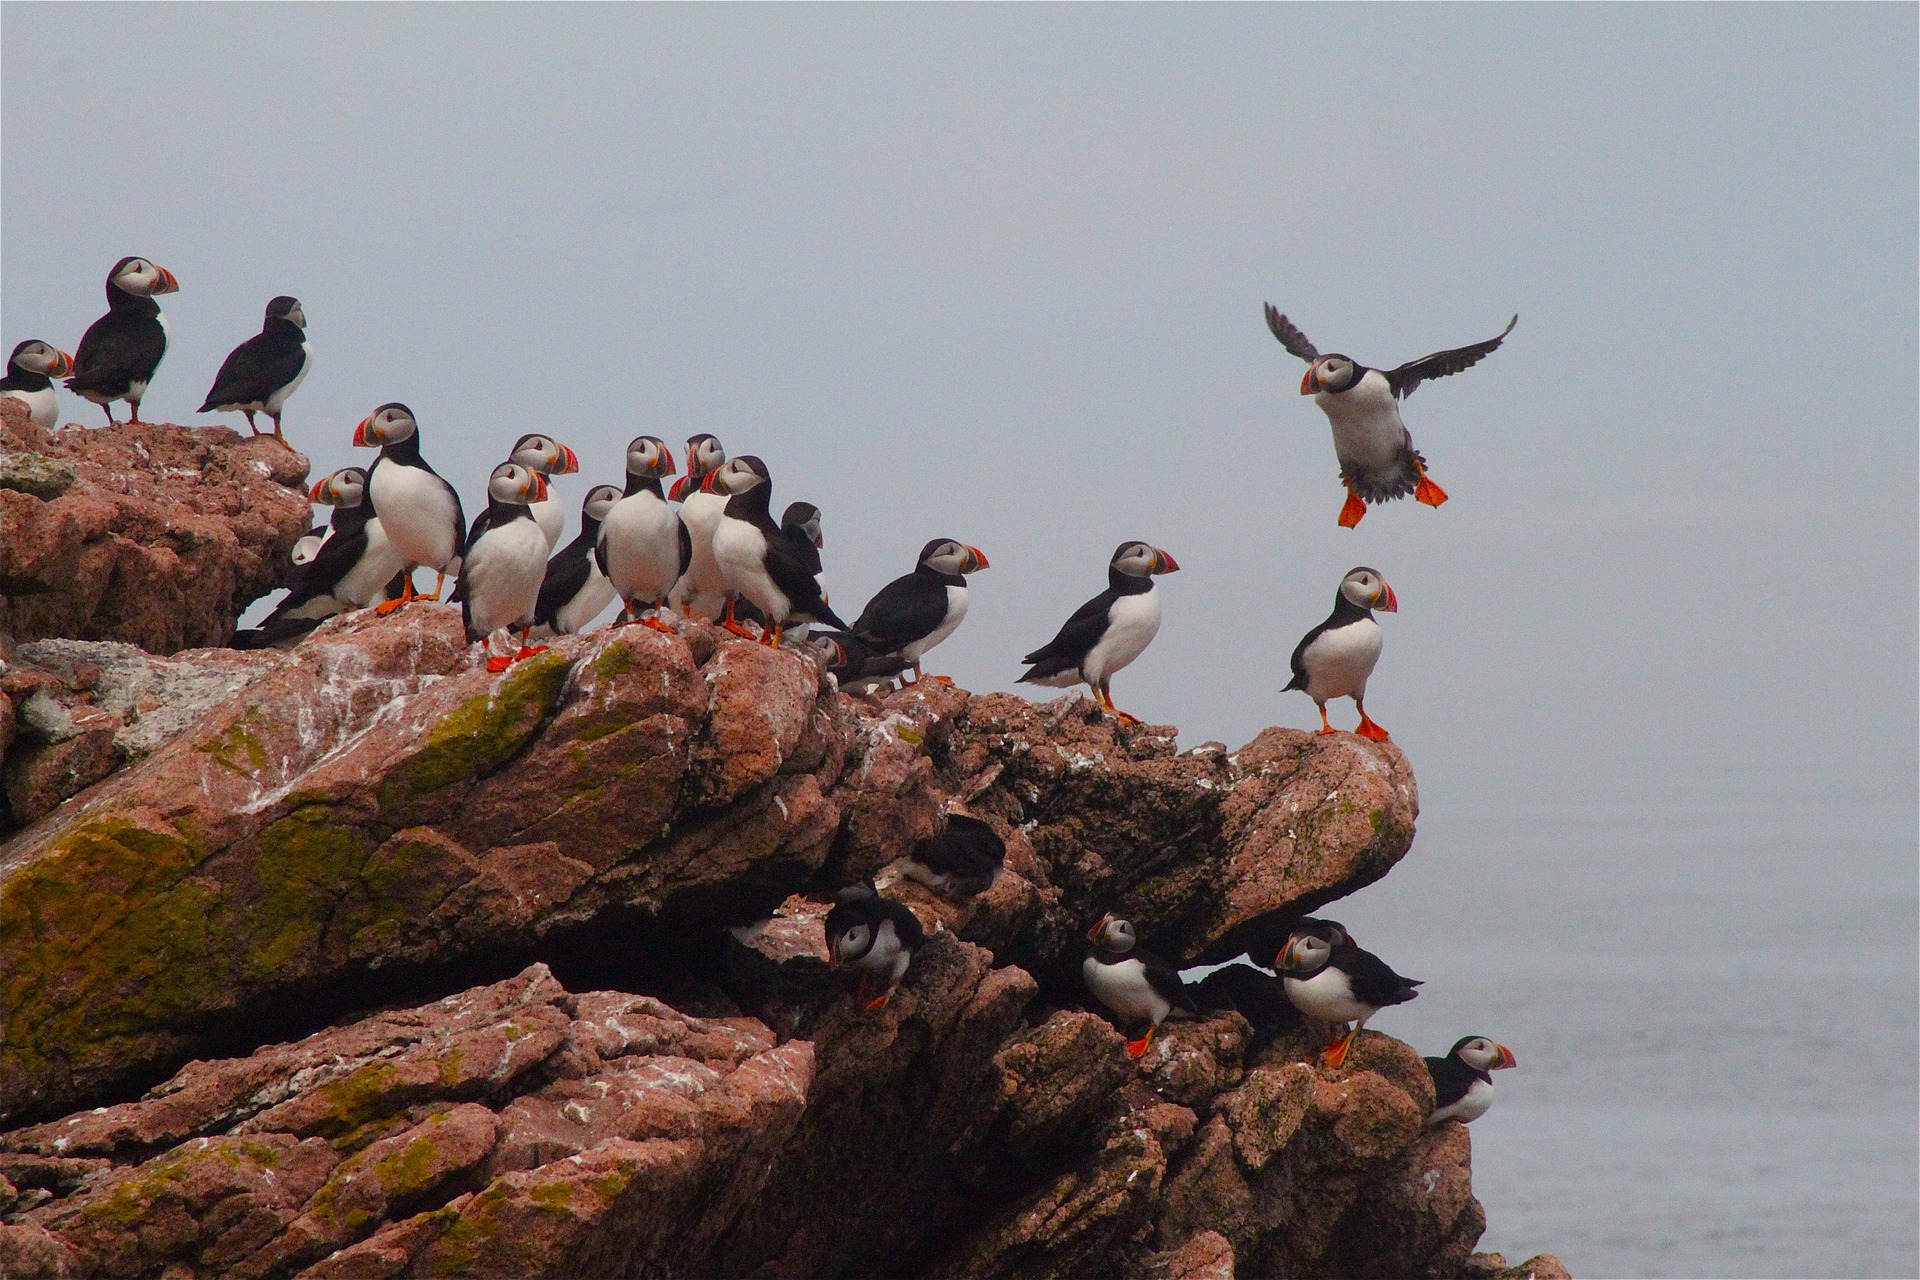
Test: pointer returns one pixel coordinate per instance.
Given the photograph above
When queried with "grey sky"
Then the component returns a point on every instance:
(996, 273)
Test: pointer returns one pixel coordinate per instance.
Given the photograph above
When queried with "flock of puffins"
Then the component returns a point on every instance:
(720, 556)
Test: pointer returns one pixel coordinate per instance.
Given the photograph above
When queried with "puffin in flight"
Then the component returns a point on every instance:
(575, 591)
(1463, 1080)
(874, 936)
(1336, 982)
(1377, 458)
(1132, 981)
(350, 569)
(31, 370)
(264, 370)
(759, 561)
(702, 589)
(420, 511)
(916, 611)
(504, 562)
(1335, 658)
(1108, 631)
(644, 545)
(120, 351)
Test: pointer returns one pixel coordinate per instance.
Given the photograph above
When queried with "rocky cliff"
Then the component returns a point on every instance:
(356, 960)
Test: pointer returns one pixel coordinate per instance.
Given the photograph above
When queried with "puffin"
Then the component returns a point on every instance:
(420, 511)
(264, 370)
(1463, 1080)
(874, 936)
(550, 458)
(916, 611)
(644, 545)
(308, 544)
(1254, 994)
(759, 561)
(962, 860)
(1338, 982)
(1335, 658)
(702, 589)
(1132, 981)
(505, 561)
(575, 591)
(350, 569)
(855, 667)
(1377, 459)
(119, 352)
(31, 370)
(1108, 631)
(800, 522)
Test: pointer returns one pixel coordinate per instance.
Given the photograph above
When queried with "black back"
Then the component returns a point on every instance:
(862, 903)
(1067, 650)
(1452, 1078)
(1372, 981)
(19, 379)
(567, 573)
(260, 366)
(968, 849)
(784, 563)
(120, 348)
(907, 609)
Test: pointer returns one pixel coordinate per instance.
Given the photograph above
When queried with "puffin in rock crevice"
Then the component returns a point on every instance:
(644, 546)
(702, 589)
(1377, 459)
(916, 611)
(31, 370)
(1463, 1080)
(1132, 981)
(575, 591)
(504, 562)
(1335, 659)
(1107, 632)
(1337, 982)
(874, 936)
(420, 511)
(267, 368)
(963, 860)
(759, 561)
(120, 351)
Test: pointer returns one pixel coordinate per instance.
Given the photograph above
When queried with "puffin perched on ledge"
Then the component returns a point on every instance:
(265, 369)
(505, 561)
(1132, 981)
(1463, 1080)
(1336, 982)
(916, 611)
(874, 936)
(702, 589)
(1377, 458)
(575, 591)
(121, 350)
(30, 374)
(759, 561)
(1107, 632)
(644, 545)
(1335, 659)
(420, 511)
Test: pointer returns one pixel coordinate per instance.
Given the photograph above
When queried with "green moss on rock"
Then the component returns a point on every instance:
(482, 733)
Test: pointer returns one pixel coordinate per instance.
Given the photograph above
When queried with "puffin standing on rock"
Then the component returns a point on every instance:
(121, 350)
(550, 458)
(265, 369)
(1132, 981)
(1377, 458)
(1335, 659)
(1463, 1080)
(644, 545)
(1334, 981)
(505, 561)
(759, 561)
(874, 936)
(702, 589)
(575, 591)
(1107, 632)
(916, 611)
(350, 569)
(420, 511)
(31, 370)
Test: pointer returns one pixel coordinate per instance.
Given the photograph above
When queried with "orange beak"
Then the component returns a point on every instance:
(168, 282)
(1311, 383)
(666, 462)
(62, 367)
(361, 438)
(679, 489)
(1392, 603)
(979, 557)
(706, 482)
(1167, 563)
(314, 494)
(569, 462)
(539, 487)
(1093, 934)
(1506, 1058)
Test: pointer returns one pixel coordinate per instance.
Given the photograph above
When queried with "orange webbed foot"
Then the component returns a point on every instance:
(526, 653)
(1428, 492)
(1372, 732)
(1138, 1048)
(739, 630)
(1336, 1053)
(1352, 511)
(498, 662)
(386, 607)
(879, 1002)
(945, 680)
(1124, 718)
(658, 625)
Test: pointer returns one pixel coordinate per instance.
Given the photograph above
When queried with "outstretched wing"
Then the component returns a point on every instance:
(1290, 336)
(1410, 375)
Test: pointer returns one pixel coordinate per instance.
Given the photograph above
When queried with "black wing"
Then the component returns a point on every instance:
(257, 368)
(802, 547)
(686, 546)
(567, 572)
(968, 847)
(1410, 375)
(1451, 1080)
(1373, 982)
(117, 349)
(906, 925)
(1256, 996)
(801, 588)
(1166, 979)
(334, 561)
(1290, 336)
(1299, 659)
(1081, 632)
(905, 610)
(481, 523)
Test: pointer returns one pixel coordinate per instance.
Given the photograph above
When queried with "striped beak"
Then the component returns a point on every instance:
(976, 560)
(319, 487)
(569, 462)
(62, 365)
(1506, 1059)
(707, 484)
(169, 283)
(536, 487)
(1093, 934)
(1386, 601)
(679, 489)
(363, 437)
(1164, 563)
(1311, 383)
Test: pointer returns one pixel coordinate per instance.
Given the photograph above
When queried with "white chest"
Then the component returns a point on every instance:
(503, 571)
(279, 398)
(740, 551)
(552, 519)
(1123, 988)
(1132, 623)
(1340, 659)
(1326, 997)
(1367, 430)
(641, 537)
(43, 406)
(1470, 1107)
(956, 614)
(365, 583)
(419, 511)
